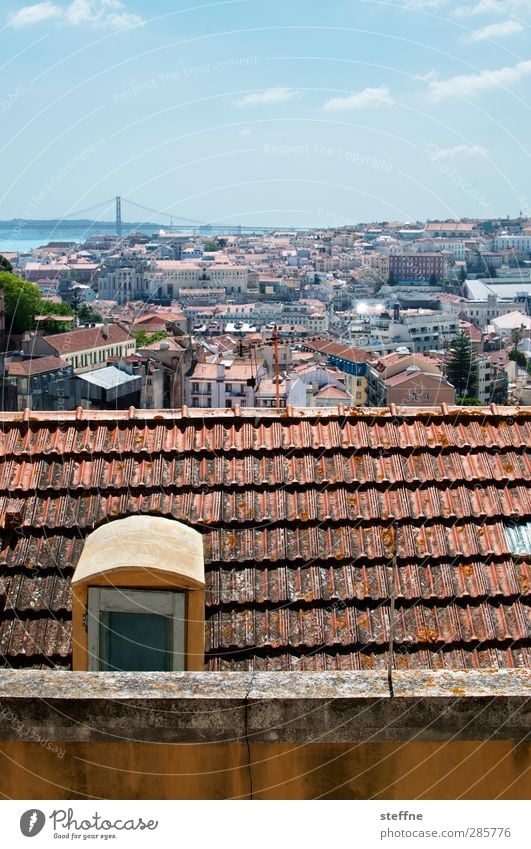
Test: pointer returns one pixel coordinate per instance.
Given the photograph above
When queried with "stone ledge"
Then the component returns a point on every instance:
(262, 685)
(197, 707)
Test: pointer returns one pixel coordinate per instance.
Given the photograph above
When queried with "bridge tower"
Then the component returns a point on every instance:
(118, 215)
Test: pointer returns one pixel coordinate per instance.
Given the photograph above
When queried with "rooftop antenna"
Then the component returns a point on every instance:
(277, 385)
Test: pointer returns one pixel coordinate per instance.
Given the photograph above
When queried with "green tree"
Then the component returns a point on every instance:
(392, 280)
(518, 357)
(23, 301)
(87, 315)
(462, 367)
(462, 274)
(470, 402)
(142, 338)
(5, 265)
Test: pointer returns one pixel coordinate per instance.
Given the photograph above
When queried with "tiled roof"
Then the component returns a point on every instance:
(204, 371)
(450, 226)
(37, 365)
(300, 513)
(168, 344)
(335, 349)
(423, 377)
(88, 338)
(333, 392)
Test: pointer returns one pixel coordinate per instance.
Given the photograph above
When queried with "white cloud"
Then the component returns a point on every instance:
(485, 7)
(380, 96)
(425, 4)
(467, 85)
(494, 31)
(34, 14)
(270, 95)
(480, 8)
(103, 13)
(458, 150)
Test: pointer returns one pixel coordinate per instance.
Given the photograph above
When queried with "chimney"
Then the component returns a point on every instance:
(105, 329)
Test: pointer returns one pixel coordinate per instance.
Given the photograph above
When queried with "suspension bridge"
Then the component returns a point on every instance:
(121, 216)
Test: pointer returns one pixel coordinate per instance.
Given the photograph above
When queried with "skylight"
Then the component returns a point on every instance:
(519, 538)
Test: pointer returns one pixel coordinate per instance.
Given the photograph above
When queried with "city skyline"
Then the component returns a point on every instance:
(235, 112)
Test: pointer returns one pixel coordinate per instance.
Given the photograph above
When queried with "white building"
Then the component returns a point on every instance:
(505, 324)
(478, 312)
(420, 331)
(85, 349)
(123, 284)
(166, 277)
(227, 383)
(291, 392)
(519, 243)
(454, 247)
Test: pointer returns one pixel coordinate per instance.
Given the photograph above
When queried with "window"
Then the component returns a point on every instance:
(135, 630)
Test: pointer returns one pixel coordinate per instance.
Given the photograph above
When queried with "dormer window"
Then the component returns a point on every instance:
(136, 630)
(139, 598)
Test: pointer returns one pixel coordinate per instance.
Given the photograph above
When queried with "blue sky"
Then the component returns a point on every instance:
(261, 111)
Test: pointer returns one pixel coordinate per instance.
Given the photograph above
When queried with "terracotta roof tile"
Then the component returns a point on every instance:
(88, 338)
(38, 365)
(298, 514)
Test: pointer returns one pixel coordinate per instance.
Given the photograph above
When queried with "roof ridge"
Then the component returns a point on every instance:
(257, 413)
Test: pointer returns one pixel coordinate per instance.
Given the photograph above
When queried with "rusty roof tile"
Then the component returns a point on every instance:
(299, 513)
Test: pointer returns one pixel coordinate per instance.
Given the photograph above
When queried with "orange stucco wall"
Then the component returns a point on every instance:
(469, 770)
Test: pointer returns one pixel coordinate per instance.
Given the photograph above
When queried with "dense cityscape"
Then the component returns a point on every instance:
(415, 314)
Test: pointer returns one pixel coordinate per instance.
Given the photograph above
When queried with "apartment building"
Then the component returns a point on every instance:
(493, 379)
(85, 349)
(175, 356)
(407, 379)
(456, 248)
(519, 243)
(290, 391)
(418, 266)
(40, 383)
(325, 386)
(350, 362)
(307, 313)
(419, 330)
(378, 262)
(228, 383)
